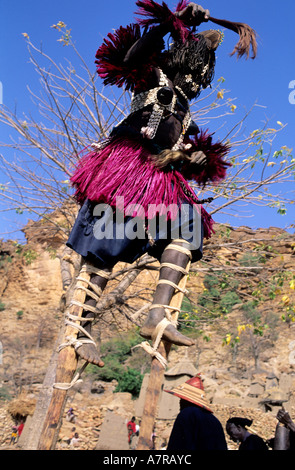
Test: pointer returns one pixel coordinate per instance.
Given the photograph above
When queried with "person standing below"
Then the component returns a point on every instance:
(238, 432)
(71, 416)
(195, 427)
(13, 435)
(137, 427)
(285, 431)
(131, 426)
(75, 441)
(20, 429)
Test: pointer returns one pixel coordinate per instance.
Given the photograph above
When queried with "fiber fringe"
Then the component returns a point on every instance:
(123, 176)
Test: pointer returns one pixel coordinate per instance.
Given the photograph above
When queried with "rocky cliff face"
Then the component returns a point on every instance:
(33, 281)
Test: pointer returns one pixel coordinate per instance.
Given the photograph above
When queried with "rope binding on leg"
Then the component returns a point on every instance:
(167, 320)
(70, 319)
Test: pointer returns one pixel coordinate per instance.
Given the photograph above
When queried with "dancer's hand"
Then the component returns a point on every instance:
(193, 14)
(199, 158)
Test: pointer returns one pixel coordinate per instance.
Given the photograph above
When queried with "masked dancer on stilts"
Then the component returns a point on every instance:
(140, 174)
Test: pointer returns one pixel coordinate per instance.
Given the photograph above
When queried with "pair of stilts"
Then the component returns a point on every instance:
(160, 323)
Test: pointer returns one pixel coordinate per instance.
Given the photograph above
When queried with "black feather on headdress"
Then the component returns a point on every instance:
(192, 57)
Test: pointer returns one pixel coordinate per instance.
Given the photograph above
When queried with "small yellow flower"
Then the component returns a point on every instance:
(220, 95)
(292, 284)
(25, 35)
(228, 338)
(284, 147)
(233, 108)
(253, 133)
(241, 328)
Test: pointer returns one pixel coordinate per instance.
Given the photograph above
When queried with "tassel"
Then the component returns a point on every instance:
(247, 37)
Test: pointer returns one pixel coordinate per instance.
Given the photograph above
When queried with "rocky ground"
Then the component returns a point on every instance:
(90, 414)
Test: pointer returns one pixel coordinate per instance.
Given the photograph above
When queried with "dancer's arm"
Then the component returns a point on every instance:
(192, 15)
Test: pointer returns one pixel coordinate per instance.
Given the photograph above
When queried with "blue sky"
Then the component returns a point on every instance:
(265, 80)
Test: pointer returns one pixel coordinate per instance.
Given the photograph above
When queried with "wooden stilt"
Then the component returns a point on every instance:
(156, 379)
(66, 367)
(67, 358)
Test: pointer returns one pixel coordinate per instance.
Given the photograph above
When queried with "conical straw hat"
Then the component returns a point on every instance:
(193, 391)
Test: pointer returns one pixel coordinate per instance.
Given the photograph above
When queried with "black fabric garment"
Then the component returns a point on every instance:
(253, 443)
(292, 440)
(196, 429)
(109, 238)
